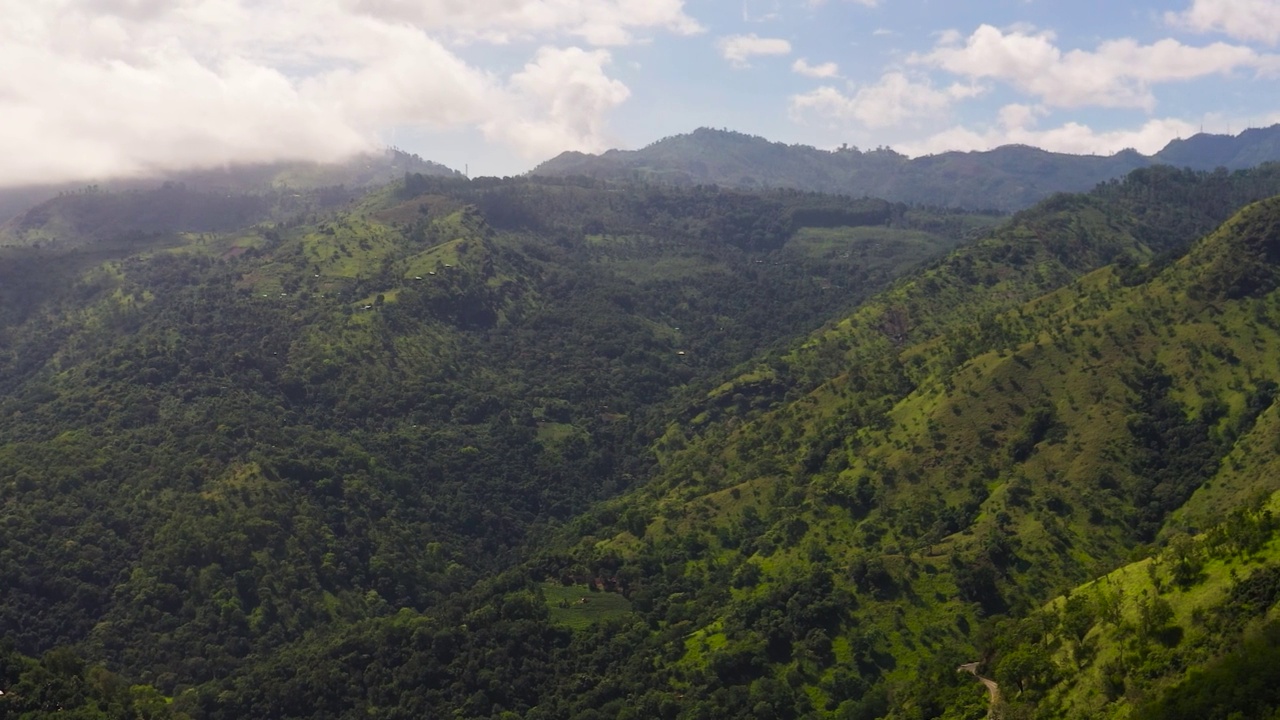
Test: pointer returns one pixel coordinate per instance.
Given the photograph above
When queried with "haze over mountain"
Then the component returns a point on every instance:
(358, 172)
(1005, 178)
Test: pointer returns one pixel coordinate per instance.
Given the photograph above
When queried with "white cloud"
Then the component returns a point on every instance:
(822, 70)
(1017, 115)
(1017, 126)
(94, 88)
(1119, 73)
(772, 12)
(739, 49)
(566, 95)
(1240, 19)
(600, 22)
(894, 100)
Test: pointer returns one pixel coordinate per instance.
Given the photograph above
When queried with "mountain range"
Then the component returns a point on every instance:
(1007, 178)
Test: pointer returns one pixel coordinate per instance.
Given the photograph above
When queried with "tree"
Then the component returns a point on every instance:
(1154, 615)
(1027, 667)
(1185, 560)
(1077, 616)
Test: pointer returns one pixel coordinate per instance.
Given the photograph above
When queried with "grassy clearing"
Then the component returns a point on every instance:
(578, 607)
(347, 247)
(388, 296)
(553, 432)
(435, 260)
(665, 268)
(832, 242)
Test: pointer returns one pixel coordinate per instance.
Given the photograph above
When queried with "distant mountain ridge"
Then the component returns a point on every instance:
(1010, 177)
(360, 171)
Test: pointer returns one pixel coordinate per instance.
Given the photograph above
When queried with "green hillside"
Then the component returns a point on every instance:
(836, 530)
(214, 444)
(1188, 632)
(568, 449)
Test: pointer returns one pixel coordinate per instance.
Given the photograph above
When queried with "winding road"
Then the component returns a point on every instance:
(993, 688)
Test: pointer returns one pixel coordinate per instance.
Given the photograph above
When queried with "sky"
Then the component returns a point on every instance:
(92, 89)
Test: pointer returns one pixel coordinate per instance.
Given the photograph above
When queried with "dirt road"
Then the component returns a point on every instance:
(993, 689)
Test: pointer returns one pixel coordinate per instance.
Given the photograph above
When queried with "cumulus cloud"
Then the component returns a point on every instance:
(822, 70)
(894, 100)
(739, 49)
(564, 96)
(95, 88)
(600, 22)
(1240, 19)
(1017, 125)
(1118, 73)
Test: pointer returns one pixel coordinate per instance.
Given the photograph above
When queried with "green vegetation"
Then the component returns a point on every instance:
(799, 462)
(1119, 646)
(216, 445)
(579, 606)
(62, 685)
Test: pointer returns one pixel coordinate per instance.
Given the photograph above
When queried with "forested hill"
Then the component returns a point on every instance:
(1006, 178)
(838, 528)
(215, 444)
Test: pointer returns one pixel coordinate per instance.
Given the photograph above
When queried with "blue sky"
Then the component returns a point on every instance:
(947, 46)
(95, 88)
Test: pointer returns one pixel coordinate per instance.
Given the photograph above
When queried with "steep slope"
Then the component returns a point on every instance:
(971, 481)
(215, 444)
(1006, 178)
(1189, 632)
(1095, 412)
(828, 532)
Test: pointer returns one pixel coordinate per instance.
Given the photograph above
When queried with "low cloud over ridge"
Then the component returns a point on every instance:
(97, 88)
